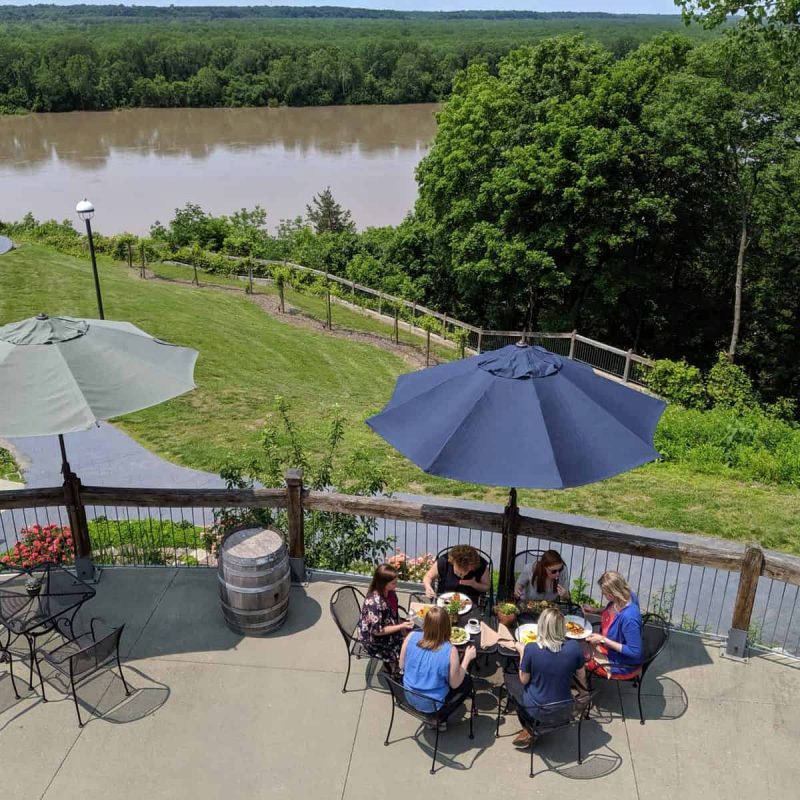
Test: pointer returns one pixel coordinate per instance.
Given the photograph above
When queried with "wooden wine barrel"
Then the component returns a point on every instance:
(254, 579)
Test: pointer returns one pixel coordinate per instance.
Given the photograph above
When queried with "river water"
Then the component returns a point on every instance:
(138, 165)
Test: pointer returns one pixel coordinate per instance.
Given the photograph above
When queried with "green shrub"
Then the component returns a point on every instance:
(678, 382)
(729, 386)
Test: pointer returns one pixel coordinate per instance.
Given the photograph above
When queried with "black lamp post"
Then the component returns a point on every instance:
(86, 211)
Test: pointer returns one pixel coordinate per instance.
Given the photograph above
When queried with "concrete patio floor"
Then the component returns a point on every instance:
(215, 715)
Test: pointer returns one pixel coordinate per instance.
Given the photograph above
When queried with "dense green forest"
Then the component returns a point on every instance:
(63, 58)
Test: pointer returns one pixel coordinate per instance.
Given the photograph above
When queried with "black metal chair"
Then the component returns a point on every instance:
(550, 717)
(346, 604)
(486, 600)
(655, 635)
(81, 657)
(400, 699)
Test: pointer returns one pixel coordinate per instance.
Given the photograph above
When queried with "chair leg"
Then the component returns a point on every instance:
(75, 700)
(471, 716)
(389, 732)
(11, 672)
(580, 755)
(349, 660)
(639, 700)
(124, 682)
(41, 681)
(30, 651)
(533, 740)
(435, 750)
(499, 709)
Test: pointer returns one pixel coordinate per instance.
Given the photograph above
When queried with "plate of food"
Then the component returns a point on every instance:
(464, 601)
(458, 636)
(527, 634)
(577, 627)
(419, 614)
(535, 606)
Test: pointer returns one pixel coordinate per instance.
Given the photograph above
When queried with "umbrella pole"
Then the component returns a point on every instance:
(76, 513)
(508, 546)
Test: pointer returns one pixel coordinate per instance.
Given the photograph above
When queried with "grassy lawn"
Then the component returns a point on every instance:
(246, 358)
(313, 306)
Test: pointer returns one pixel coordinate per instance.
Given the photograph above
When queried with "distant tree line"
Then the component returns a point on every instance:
(56, 58)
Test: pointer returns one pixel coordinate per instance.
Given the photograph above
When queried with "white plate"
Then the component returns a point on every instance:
(587, 628)
(460, 644)
(465, 609)
(530, 627)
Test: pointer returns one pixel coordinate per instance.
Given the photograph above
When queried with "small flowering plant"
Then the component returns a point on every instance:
(410, 569)
(38, 544)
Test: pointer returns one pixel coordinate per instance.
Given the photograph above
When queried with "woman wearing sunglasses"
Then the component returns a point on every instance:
(547, 579)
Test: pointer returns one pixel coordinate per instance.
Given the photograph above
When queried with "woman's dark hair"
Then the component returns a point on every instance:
(550, 558)
(382, 577)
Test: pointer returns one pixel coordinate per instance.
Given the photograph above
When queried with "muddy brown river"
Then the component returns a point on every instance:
(138, 165)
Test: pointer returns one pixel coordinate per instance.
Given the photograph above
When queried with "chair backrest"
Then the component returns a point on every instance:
(345, 605)
(481, 553)
(525, 557)
(95, 655)
(416, 703)
(552, 716)
(655, 635)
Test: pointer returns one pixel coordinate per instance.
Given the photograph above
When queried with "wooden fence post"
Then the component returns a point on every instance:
(752, 564)
(76, 514)
(428, 349)
(144, 262)
(508, 545)
(397, 324)
(627, 371)
(196, 279)
(480, 340)
(297, 540)
(328, 324)
(130, 255)
(572, 344)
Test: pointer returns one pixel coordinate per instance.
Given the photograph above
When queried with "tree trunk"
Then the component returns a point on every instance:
(737, 303)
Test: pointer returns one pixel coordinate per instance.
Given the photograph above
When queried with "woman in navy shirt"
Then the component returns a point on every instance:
(546, 669)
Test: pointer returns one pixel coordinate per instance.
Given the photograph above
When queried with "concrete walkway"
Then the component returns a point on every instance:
(103, 456)
(218, 716)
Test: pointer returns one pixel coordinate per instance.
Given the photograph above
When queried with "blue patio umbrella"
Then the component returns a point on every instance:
(519, 417)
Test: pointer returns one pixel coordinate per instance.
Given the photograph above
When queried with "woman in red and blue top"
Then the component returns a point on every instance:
(616, 652)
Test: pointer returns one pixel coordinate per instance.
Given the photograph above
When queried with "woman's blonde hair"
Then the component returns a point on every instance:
(551, 630)
(435, 629)
(613, 584)
(464, 556)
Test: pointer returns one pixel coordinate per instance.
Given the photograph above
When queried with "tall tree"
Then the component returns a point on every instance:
(327, 216)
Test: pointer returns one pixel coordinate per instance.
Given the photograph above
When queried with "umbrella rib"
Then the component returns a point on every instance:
(547, 434)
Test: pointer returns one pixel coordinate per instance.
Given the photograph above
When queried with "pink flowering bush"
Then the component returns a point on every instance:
(411, 569)
(51, 544)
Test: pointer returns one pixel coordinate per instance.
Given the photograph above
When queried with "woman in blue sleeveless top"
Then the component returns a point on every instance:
(432, 666)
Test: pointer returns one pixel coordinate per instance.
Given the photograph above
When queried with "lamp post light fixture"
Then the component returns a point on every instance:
(86, 211)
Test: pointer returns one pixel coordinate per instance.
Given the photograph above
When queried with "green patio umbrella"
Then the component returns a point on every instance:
(61, 374)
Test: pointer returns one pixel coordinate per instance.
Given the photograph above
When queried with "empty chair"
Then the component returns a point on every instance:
(81, 657)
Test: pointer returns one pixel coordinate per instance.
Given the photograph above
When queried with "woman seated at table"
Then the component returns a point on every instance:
(546, 669)
(616, 652)
(379, 627)
(547, 579)
(461, 569)
(432, 666)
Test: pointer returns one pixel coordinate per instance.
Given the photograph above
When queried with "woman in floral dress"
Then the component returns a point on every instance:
(380, 628)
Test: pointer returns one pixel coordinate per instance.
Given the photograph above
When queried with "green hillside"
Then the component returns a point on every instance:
(247, 357)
